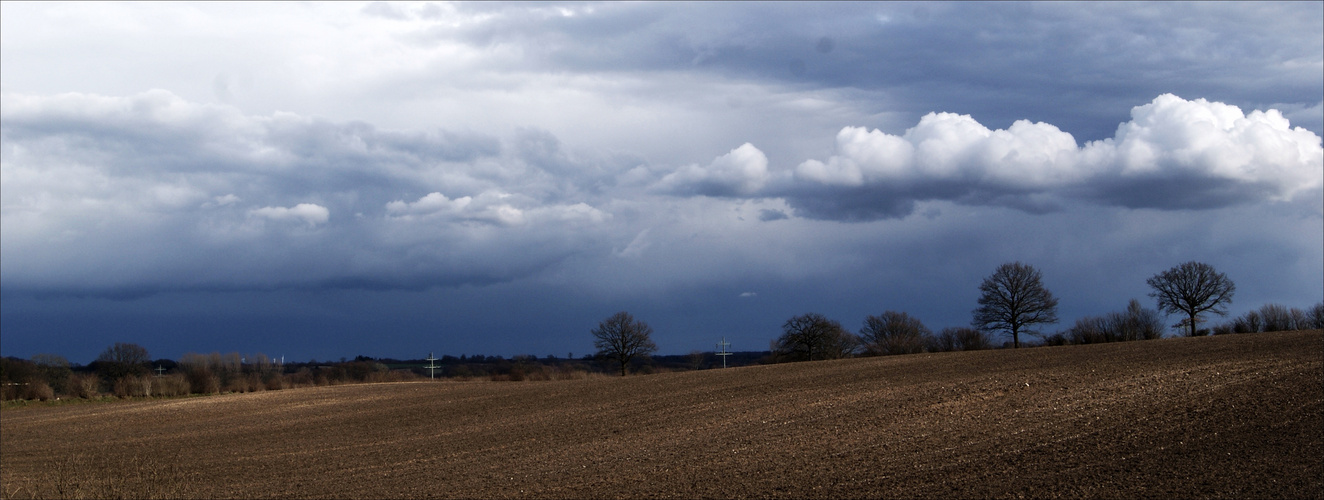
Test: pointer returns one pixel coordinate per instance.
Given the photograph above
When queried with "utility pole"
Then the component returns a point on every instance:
(432, 366)
(721, 350)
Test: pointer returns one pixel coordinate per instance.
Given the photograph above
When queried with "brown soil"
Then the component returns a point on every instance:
(1232, 416)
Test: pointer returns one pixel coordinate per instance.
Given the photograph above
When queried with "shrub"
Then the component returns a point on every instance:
(1248, 323)
(174, 384)
(959, 339)
(1136, 323)
(1089, 330)
(812, 337)
(970, 339)
(54, 371)
(36, 390)
(132, 386)
(302, 378)
(1059, 338)
(893, 333)
(235, 384)
(274, 381)
(122, 360)
(85, 385)
(15, 375)
(1276, 318)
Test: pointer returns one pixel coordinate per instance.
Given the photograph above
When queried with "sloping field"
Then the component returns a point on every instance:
(1233, 416)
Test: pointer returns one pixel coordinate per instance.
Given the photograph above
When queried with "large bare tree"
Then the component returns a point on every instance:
(1192, 288)
(123, 359)
(620, 338)
(1014, 298)
(813, 336)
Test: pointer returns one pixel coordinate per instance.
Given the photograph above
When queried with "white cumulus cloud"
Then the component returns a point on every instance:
(743, 171)
(1174, 137)
(1174, 153)
(310, 213)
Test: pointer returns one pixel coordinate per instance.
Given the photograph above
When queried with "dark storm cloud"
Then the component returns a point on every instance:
(768, 214)
(1078, 66)
(151, 192)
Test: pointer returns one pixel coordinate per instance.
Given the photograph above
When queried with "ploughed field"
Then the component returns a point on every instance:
(1231, 416)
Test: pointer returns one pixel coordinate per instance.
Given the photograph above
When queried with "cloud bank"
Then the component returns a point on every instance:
(1173, 154)
(153, 192)
(133, 192)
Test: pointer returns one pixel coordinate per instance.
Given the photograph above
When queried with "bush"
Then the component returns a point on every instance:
(302, 378)
(1277, 318)
(200, 379)
(1248, 323)
(893, 333)
(274, 382)
(130, 386)
(959, 339)
(1136, 323)
(37, 391)
(812, 337)
(85, 385)
(1059, 338)
(54, 371)
(15, 375)
(122, 360)
(1089, 330)
(174, 384)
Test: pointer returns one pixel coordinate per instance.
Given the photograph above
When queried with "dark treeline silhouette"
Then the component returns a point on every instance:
(49, 376)
(1013, 301)
(1274, 318)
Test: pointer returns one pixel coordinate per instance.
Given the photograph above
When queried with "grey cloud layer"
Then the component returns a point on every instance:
(995, 62)
(152, 192)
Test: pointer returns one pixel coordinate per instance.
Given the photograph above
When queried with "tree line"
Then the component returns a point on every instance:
(126, 370)
(1013, 302)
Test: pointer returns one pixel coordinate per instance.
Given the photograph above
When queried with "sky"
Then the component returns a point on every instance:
(326, 180)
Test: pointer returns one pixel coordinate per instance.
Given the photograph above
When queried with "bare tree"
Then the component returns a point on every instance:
(1137, 323)
(1315, 317)
(1277, 318)
(893, 333)
(1248, 323)
(959, 339)
(1013, 299)
(55, 369)
(123, 359)
(620, 338)
(813, 336)
(1192, 288)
